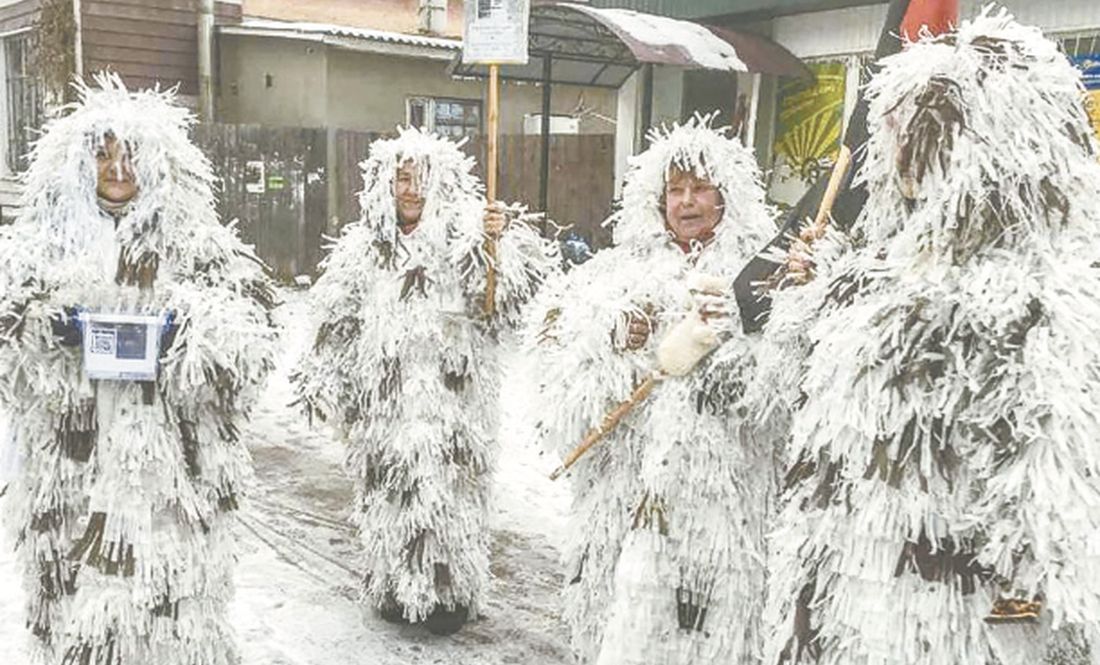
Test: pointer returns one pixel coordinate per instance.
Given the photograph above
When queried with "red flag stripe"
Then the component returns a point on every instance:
(938, 15)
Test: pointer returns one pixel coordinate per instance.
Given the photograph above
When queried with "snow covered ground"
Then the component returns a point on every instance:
(297, 578)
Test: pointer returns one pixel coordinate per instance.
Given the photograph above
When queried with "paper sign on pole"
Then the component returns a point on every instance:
(496, 32)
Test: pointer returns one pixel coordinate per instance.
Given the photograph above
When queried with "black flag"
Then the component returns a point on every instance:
(903, 17)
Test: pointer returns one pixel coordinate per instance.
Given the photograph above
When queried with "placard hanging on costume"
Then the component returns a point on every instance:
(121, 347)
(496, 32)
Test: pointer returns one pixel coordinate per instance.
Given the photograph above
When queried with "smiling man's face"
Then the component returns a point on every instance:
(693, 206)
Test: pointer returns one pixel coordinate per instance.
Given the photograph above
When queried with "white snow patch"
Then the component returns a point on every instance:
(705, 48)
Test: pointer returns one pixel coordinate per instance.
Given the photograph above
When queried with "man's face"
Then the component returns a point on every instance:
(406, 193)
(693, 206)
(115, 171)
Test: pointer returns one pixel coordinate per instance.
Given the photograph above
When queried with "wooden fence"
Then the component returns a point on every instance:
(581, 182)
(288, 192)
(272, 180)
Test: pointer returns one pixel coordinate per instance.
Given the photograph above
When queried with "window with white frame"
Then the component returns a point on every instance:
(23, 99)
(446, 116)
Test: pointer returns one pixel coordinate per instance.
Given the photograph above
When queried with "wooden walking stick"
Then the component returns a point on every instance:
(679, 352)
(491, 187)
(610, 421)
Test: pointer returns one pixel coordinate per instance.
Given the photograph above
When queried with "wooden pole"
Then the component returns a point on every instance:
(493, 115)
(832, 190)
(610, 421)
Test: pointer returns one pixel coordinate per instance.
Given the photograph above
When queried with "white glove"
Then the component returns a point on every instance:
(685, 345)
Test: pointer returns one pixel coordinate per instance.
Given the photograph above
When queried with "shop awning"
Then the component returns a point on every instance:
(603, 47)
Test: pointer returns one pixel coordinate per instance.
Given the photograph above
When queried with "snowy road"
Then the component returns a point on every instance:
(297, 579)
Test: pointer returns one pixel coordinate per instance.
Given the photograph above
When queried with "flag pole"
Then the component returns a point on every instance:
(835, 199)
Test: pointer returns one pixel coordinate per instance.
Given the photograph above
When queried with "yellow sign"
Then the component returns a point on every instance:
(811, 116)
(1092, 105)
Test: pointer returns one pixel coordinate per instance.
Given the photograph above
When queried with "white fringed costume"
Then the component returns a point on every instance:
(121, 508)
(406, 363)
(945, 447)
(672, 502)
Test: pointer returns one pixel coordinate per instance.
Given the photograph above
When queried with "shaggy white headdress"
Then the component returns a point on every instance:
(992, 107)
(694, 147)
(447, 182)
(174, 178)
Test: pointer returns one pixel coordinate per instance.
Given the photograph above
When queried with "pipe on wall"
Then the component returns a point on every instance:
(433, 16)
(206, 60)
(78, 41)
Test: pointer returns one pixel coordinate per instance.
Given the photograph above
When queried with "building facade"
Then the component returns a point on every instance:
(45, 43)
(836, 39)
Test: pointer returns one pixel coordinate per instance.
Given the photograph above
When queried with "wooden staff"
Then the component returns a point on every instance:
(610, 421)
(832, 190)
(491, 186)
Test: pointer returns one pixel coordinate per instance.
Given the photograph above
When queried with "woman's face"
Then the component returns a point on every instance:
(693, 206)
(115, 171)
(407, 195)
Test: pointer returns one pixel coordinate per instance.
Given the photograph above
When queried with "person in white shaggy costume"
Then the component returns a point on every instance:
(122, 505)
(405, 362)
(666, 559)
(944, 501)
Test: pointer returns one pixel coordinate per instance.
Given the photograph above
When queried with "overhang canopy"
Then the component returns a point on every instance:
(731, 9)
(603, 47)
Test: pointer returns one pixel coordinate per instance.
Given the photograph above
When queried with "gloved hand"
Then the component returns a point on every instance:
(685, 345)
(66, 328)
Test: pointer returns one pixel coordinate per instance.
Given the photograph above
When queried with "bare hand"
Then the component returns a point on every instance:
(800, 262)
(712, 307)
(494, 220)
(638, 328)
(812, 232)
(709, 293)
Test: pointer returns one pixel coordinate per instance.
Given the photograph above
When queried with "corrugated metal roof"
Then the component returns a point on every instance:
(319, 31)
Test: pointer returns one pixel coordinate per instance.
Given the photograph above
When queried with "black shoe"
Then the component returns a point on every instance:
(392, 611)
(446, 622)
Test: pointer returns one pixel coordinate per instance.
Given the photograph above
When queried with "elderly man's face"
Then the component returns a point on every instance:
(407, 195)
(115, 171)
(693, 206)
